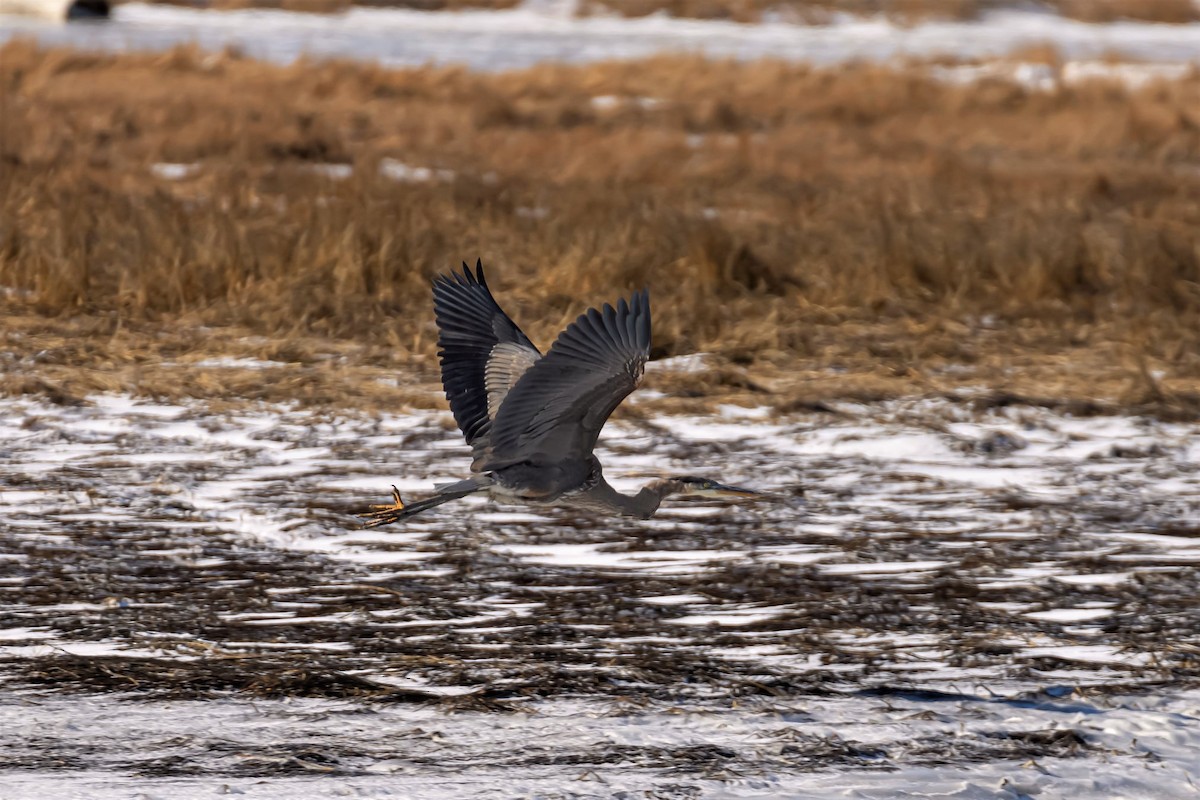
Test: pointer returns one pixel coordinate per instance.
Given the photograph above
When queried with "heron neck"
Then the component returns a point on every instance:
(642, 505)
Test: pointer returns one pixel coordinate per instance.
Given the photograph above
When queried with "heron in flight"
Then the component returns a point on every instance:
(532, 420)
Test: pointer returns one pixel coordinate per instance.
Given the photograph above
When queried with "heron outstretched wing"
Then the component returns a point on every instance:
(483, 353)
(557, 408)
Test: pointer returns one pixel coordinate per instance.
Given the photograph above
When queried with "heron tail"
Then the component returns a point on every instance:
(446, 492)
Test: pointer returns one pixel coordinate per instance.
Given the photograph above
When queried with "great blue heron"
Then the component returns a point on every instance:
(532, 421)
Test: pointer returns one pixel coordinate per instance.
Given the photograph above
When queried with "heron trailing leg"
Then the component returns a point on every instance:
(398, 510)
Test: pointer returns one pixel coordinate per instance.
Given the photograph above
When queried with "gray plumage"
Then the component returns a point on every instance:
(532, 421)
(470, 327)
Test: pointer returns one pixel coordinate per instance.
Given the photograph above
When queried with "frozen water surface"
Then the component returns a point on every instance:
(550, 32)
(1065, 746)
(932, 600)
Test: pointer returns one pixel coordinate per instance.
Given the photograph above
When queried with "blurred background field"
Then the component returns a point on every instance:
(861, 231)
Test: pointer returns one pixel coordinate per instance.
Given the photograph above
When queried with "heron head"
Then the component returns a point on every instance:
(703, 487)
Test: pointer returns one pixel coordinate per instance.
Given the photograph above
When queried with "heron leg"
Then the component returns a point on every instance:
(398, 510)
(386, 515)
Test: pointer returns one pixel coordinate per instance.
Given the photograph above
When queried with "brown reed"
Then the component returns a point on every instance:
(860, 231)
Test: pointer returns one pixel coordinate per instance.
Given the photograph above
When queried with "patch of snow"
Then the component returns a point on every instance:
(1096, 578)
(399, 171)
(1070, 614)
(882, 567)
(233, 363)
(173, 172)
(334, 172)
(692, 362)
(24, 634)
(674, 599)
(1088, 653)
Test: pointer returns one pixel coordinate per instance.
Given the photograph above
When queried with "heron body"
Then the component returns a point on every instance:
(532, 420)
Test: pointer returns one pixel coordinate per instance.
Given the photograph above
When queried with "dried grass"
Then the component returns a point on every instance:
(858, 232)
(1168, 11)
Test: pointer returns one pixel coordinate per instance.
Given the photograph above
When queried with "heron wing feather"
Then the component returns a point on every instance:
(472, 328)
(505, 366)
(556, 409)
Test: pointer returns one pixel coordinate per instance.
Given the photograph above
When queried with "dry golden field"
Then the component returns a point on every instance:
(857, 232)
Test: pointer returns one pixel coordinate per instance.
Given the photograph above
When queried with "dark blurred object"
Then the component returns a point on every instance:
(61, 10)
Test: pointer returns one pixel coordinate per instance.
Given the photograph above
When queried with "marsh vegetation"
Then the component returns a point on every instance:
(859, 232)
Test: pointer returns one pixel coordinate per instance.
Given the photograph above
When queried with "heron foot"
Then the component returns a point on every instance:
(397, 504)
(382, 514)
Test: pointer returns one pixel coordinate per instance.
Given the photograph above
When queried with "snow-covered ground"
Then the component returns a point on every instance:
(935, 601)
(1136, 748)
(540, 32)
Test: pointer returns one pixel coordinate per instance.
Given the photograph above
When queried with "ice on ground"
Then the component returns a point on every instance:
(1096, 578)
(234, 363)
(896, 747)
(610, 102)
(1092, 654)
(173, 172)
(399, 171)
(882, 567)
(494, 40)
(693, 362)
(1070, 614)
(1050, 77)
(883, 560)
(334, 172)
(899, 495)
